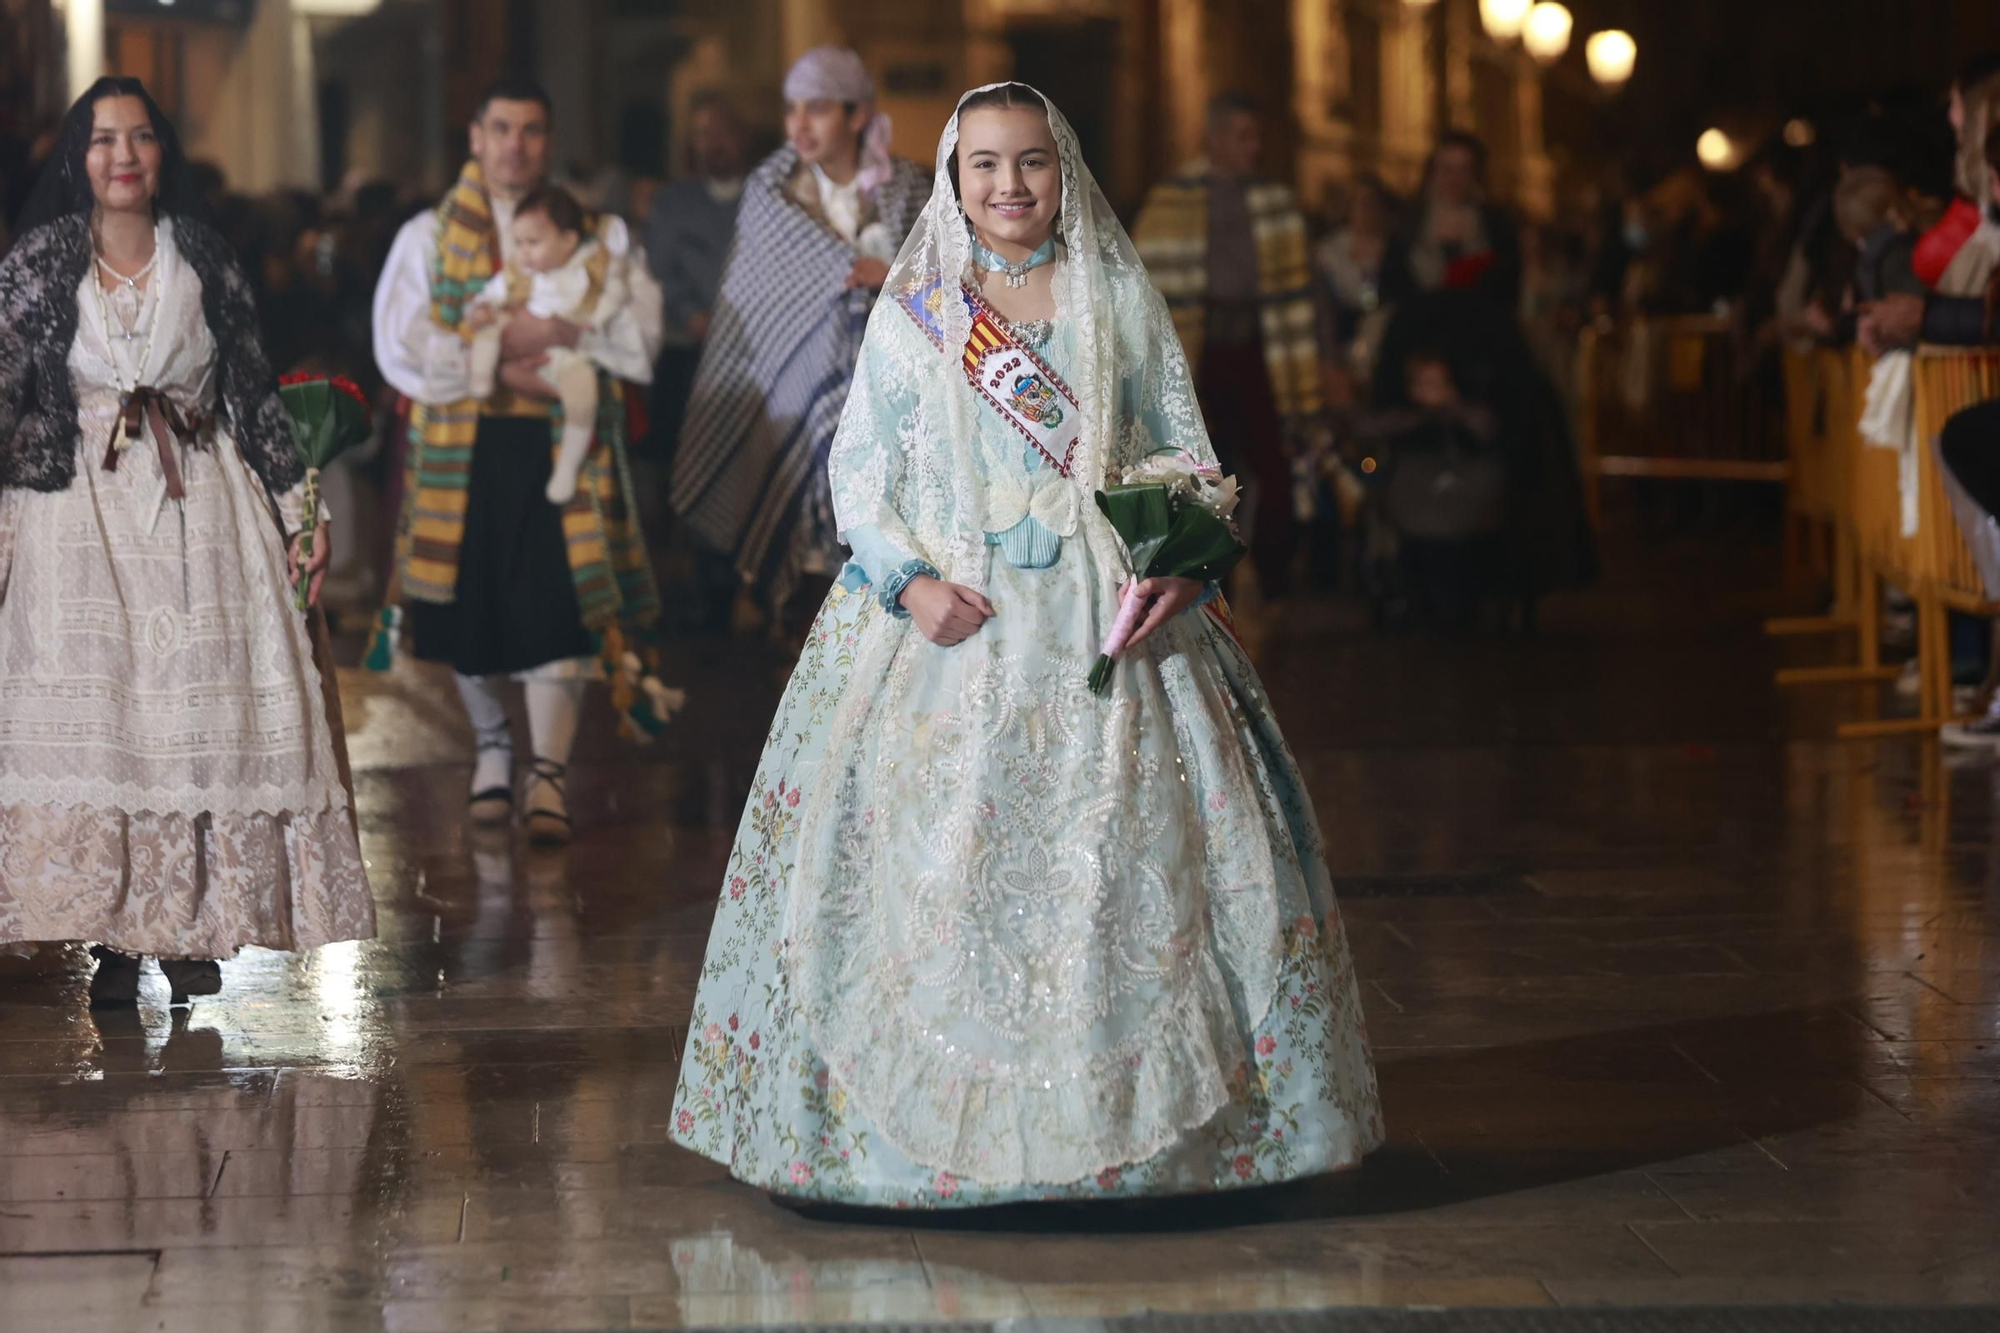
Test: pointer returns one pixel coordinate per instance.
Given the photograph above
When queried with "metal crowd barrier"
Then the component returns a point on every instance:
(1661, 397)
(1819, 539)
(1853, 487)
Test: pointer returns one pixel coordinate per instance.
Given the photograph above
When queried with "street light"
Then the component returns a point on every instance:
(1546, 34)
(1715, 150)
(1503, 18)
(1610, 55)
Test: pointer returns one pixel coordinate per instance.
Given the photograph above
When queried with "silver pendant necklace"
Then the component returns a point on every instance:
(116, 328)
(1014, 273)
(130, 290)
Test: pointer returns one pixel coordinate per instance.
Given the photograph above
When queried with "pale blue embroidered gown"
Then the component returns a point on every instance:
(985, 937)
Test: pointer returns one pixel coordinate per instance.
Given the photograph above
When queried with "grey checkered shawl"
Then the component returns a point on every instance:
(750, 473)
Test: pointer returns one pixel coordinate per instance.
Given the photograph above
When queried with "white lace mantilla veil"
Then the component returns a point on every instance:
(898, 965)
(934, 492)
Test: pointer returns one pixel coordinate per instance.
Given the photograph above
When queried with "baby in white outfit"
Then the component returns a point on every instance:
(552, 252)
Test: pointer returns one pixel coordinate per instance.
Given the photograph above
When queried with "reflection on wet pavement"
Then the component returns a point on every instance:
(1675, 1001)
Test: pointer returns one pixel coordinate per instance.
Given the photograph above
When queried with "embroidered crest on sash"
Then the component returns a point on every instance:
(1019, 385)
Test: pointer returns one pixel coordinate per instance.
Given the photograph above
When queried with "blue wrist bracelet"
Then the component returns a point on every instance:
(892, 587)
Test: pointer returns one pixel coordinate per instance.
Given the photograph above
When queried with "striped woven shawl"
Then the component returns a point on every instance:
(607, 554)
(750, 475)
(1172, 238)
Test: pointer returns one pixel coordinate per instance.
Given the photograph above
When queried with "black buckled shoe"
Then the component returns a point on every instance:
(115, 984)
(191, 976)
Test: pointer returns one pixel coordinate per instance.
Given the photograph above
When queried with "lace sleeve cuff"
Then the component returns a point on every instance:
(892, 587)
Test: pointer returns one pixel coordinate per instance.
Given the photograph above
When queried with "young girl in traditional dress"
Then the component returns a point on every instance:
(170, 776)
(987, 936)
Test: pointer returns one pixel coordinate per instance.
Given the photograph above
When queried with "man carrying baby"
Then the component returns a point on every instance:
(519, 559)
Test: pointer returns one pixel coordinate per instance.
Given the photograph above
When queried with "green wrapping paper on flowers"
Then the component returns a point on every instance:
(1175, 526)
(329, 417)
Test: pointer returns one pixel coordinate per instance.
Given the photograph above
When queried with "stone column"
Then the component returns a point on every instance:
(1323, 81)
(261, 120)
(809, 23)
(1461, 20)
(1409, 91)
(1534, 180)
(83, 40)
(1184, 72)
(566, 37)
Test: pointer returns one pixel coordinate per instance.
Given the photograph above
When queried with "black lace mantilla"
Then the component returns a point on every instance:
(39, 281)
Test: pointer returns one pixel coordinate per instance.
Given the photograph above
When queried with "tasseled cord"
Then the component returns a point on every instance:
(383, 641)
(643, 702)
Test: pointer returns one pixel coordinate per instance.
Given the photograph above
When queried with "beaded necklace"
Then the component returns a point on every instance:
(117, 328)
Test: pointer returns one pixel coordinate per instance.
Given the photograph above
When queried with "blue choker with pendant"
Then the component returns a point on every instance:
(1016, 273)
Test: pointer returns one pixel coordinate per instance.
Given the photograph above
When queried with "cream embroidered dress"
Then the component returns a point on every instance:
(168, 783)
(987, 937)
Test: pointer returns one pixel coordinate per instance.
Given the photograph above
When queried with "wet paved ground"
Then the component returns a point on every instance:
(1674, 1000)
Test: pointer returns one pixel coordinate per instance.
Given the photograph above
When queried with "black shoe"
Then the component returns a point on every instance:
(547, 822)
(492, 805)
(115, 984)
(191, 976)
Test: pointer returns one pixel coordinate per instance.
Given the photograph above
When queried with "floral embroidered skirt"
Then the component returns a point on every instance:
(987, 938)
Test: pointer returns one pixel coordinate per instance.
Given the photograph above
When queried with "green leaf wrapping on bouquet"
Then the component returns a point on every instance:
(326, 418)
(1142, 517)
(1199, 546)
(1169, 540)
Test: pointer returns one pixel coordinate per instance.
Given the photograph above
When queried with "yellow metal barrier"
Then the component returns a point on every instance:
(1821, 403)
(1835, 478)
(1816, 390)
(1946, 382)
(1932, 565)
(1662, 398)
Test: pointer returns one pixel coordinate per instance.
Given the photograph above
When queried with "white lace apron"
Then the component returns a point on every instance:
(160, 709)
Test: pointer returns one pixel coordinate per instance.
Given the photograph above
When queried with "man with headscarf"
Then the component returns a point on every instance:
(820, 220)
(500, 583)
(1227, 248)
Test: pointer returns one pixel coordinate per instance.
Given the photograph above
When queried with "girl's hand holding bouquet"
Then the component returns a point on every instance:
(1162, 598)
(1173, 514)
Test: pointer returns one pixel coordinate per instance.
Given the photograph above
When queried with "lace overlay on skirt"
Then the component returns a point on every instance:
(955, 1004)
(985, 936)
(168, 775)
(1003, 908)
(172, 886)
